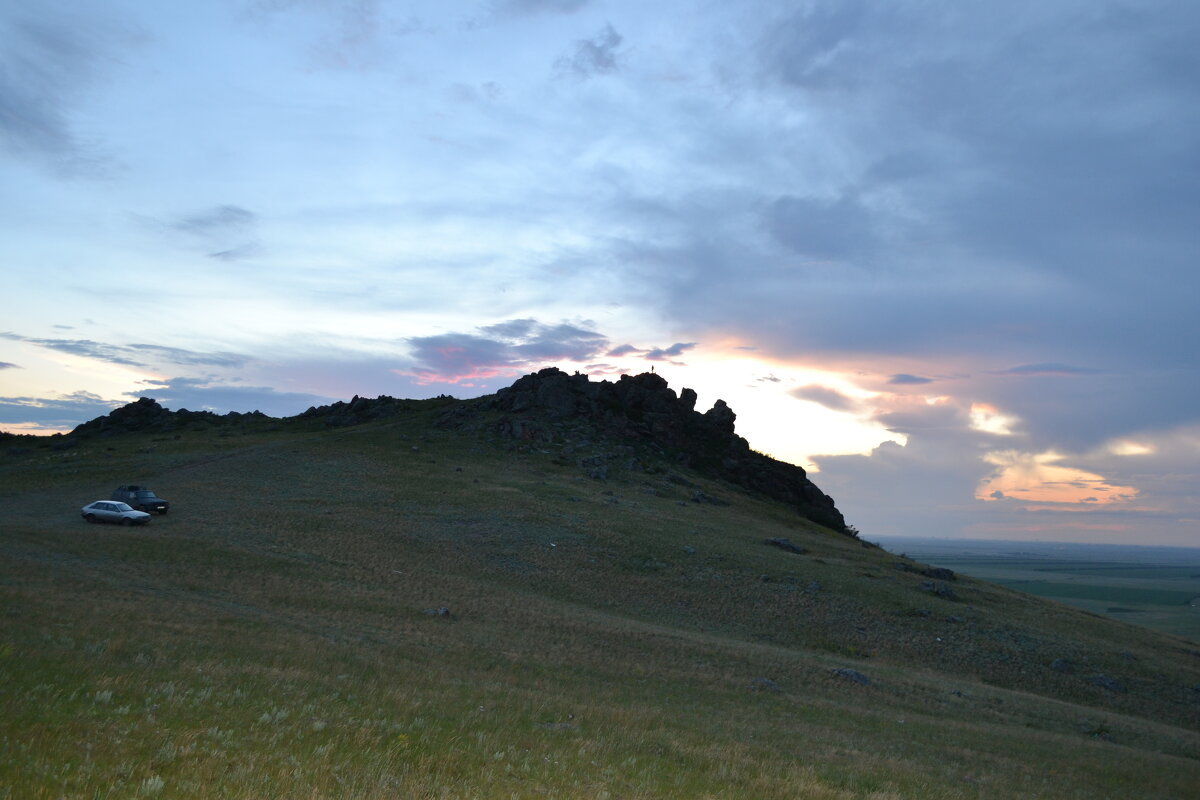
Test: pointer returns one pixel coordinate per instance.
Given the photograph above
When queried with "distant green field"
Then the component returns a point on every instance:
(1155, 587)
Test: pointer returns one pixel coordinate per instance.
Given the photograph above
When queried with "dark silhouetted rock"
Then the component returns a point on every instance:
(721, 417)
(643, 410)
(701, 497)
(937, 573)
(938, 589)
(785, 544)
(852, 675)
(1109, 683)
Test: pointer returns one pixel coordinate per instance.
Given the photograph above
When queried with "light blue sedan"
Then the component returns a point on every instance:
(113, 511)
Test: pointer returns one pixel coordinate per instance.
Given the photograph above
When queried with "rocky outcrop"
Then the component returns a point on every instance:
(638, 413)
(145, 414)
(360, 410)
(643, 408)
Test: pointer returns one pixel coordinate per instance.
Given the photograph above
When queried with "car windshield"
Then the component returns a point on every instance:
(122, 507)
(147, 495)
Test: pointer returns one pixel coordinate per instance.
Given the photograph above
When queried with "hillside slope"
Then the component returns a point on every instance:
(517, 596)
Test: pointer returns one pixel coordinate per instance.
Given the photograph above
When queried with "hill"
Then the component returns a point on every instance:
(567, 589)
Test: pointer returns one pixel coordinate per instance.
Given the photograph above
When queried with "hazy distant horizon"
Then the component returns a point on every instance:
(930, 543)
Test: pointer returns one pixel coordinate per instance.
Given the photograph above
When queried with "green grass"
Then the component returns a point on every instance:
(269, 639)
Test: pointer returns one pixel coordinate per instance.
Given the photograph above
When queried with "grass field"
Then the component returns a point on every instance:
(1152, 586)
(279, 635)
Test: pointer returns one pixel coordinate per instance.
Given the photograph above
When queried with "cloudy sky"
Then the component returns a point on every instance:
(943, 253)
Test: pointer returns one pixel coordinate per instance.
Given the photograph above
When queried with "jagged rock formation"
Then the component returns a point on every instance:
(636, 412)
(359, 410)
(147, 415)
(643, 408)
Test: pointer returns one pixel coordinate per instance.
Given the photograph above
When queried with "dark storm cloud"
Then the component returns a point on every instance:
(595, 56)
(512, 329)
(60, 411)
(1012, 184)
(133, 355)
(211, 394)
(81, 347)
(177, 355)
(48, 63)
(451, 356)
(1078, 412)
(1053, 138)
(219, 220)
(669, 353)
(506, 348)
(560, 343)
(948, 420)
(623, 350)
(828, 229)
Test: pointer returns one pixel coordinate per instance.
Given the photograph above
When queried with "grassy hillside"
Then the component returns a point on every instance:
(396, 610)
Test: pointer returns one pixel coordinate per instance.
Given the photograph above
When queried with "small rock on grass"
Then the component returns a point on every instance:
(786, 545)
(557, 726)
(1109, 683)
(852, 675)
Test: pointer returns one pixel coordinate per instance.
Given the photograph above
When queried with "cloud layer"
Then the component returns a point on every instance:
(969, 227)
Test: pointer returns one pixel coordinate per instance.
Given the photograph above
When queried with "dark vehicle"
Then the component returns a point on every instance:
(141, 498)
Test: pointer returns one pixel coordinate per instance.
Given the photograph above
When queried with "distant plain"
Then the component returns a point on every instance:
(1157, 587)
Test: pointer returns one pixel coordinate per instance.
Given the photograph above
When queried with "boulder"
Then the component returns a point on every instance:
(785, 545)
(852, 675)
(1108, 683)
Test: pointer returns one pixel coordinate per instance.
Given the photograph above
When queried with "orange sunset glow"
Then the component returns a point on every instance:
(1038, 478)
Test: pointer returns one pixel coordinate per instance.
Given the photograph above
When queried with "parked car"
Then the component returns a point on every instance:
(113, 511)
(141, 498)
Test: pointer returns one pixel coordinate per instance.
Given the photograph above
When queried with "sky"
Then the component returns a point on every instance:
(941, 254)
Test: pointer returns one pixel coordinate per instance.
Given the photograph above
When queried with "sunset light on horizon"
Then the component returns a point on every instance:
(940, 255)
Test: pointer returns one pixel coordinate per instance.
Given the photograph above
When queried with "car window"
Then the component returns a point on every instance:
(121, 507)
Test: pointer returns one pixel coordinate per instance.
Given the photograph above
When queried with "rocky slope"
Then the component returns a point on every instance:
(637, 423)
(644, 410)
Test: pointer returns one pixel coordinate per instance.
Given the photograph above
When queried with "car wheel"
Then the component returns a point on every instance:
(90, 517)
(126, 521)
